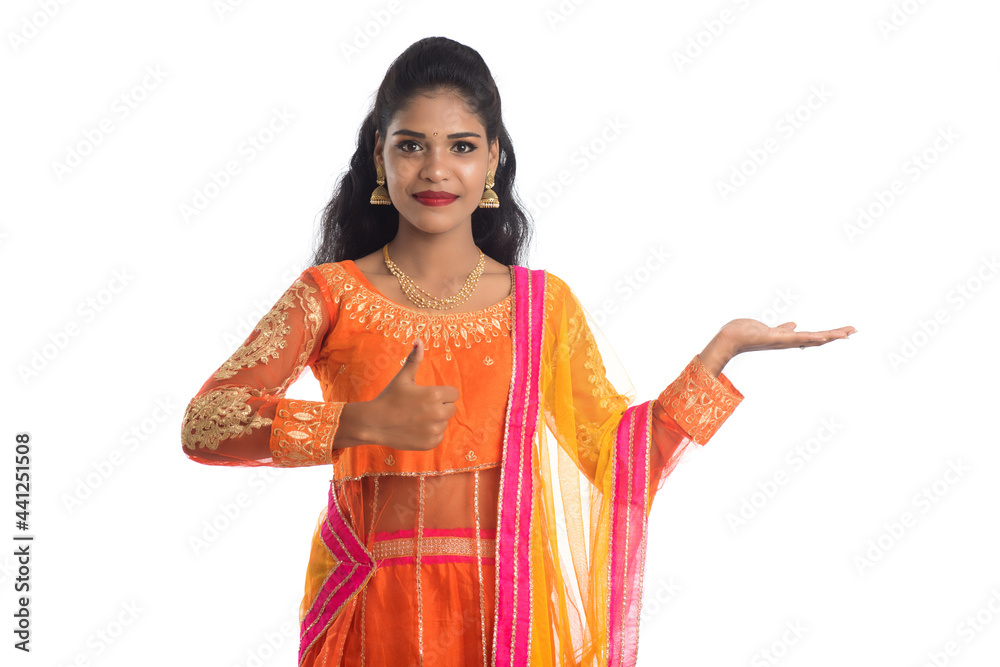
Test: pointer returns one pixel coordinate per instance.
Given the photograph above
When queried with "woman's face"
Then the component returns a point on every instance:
(434, 145)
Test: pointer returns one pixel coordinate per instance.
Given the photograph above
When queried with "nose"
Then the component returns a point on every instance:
(435, 167)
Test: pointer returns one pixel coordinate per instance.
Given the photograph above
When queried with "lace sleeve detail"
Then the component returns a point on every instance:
(241, 417)
(698, 401)
(583, 408)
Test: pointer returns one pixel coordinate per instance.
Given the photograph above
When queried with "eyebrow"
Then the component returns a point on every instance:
(421, 135)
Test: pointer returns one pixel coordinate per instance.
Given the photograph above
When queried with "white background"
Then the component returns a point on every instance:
(663, 133)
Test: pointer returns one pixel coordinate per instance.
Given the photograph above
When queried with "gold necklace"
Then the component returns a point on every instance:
(410, 288)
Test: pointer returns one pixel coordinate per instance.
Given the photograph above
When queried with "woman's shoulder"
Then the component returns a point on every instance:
(557, 290)
(332, 278)
(330, 271)
(555, 282)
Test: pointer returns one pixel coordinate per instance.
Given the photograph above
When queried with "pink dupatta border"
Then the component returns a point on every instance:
(515, 504)
(351, 573)
(630, 489)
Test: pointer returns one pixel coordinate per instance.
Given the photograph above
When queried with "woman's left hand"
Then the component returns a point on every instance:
(745, 335)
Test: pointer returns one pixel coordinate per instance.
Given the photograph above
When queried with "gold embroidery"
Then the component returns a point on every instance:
(429, 473)
(698, 401)
(471, 456)
(585, 445)
(580, 339)
(390, 460)
(600, 387)
(404, 324)
(405, 547)
(488, 361)
(479, 568)
(268, 337)
(303, 432)
(218, 414)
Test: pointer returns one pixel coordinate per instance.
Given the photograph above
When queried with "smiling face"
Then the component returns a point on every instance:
(435, 146)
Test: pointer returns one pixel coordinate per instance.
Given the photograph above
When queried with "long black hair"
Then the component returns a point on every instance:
(352, 227)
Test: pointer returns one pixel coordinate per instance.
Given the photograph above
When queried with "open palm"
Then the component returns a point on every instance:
(746, 335)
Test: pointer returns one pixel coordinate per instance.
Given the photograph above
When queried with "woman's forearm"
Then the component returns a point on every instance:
(716, 355)
(355, 426)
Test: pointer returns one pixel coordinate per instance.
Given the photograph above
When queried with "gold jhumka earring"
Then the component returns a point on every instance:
(380, 196)
(489, 198)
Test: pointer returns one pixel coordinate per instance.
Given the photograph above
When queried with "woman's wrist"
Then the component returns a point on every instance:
(354, 428)
(716, 355)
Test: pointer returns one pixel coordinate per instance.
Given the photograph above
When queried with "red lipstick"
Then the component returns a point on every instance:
(435, 197)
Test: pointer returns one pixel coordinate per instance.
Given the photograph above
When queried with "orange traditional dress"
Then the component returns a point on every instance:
(493, 548)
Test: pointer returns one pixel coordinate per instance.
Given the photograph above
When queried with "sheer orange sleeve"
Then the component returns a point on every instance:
(626, 453)
(583, 408)
(241, 416)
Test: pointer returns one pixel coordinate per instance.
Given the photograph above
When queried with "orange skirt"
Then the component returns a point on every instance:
(438, 614)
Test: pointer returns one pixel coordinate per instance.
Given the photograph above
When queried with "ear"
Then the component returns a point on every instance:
(494, 155)
(379, 147)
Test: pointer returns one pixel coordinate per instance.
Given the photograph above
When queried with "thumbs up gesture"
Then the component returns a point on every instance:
(413, 417)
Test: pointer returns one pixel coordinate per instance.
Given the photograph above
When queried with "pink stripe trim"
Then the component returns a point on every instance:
(434, 532)
(506, 574)
(628, 538)
(431, 560)
(512, 626)
(344, 581)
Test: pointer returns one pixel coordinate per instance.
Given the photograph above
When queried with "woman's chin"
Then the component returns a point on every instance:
(434, 220)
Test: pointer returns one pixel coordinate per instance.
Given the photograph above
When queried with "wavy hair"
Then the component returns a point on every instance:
(352, 227)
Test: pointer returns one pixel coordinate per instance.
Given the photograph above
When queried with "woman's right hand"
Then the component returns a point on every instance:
(409, 416)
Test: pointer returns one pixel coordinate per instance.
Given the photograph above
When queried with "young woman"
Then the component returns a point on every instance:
(454, 533)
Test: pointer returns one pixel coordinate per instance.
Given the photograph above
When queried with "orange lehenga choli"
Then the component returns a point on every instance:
(497, 547)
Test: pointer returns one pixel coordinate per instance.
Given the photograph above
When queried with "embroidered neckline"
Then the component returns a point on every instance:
(500, 307)
(363, 303)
